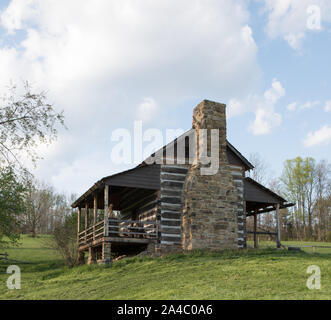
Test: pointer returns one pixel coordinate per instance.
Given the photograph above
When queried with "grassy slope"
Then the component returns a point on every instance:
(261, 274)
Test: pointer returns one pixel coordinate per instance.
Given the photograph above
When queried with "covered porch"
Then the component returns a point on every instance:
(118, 215)
(259, 200)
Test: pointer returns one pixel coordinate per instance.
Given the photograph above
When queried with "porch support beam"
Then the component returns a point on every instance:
(278, 225)
(106, 197)
(255, 230)
(79, 216)
(95, 212)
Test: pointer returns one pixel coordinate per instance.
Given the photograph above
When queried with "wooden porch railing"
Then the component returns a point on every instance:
(119, 228)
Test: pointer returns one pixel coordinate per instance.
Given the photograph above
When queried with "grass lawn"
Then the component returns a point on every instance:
(250, 274)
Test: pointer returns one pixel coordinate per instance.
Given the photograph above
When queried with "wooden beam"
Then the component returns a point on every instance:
(95, 212)
(86, 220)
(255, 229)
(106, 197)
(86, 215)
(79, 222)
(269, 209)
(278, 225)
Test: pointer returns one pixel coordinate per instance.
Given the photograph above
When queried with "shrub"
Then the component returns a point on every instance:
(65, 239)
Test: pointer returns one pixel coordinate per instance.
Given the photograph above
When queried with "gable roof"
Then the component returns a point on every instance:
(149, 177)
(232, 152)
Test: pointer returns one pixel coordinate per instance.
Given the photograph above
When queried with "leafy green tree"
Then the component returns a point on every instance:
(298, 179)
(64, 239)
(323, 200)
(11, 205)
(25, 121)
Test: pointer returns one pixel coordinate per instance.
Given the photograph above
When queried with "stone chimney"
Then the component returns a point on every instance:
(209, 219)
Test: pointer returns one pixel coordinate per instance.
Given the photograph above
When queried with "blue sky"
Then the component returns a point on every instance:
(109, 63)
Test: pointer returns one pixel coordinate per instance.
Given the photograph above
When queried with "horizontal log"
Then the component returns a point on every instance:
(171, 200)
(171, 230)
(171, 215)
(171, 239)
(172, 184)
(169, 169)
(171, 193)
(173, 177)
(170, 223)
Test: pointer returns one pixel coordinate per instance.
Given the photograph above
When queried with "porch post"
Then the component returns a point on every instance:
(86, 220)
(86, 216)
(278, 225)
(106, 220)
(255, 229)
(245, 225)
(78, 223)
(81, 254)
(95, 211)
(91, 255)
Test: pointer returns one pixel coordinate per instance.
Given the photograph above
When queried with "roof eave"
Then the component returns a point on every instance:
(248, 165)
(96, 186)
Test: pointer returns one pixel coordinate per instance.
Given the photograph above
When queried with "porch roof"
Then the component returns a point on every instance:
(145, 177)
(260, 199)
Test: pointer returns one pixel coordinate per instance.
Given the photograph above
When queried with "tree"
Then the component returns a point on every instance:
(39, 200)
(65, 239)
(11, 204)
(299, 180)
(259, 173)
(25, 121)
(323, 197)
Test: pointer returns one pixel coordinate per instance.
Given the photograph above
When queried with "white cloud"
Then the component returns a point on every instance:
(275, 92)
(318, 137)
(235, 107)
(327, 107)
(266, 118)
(265, 121)
(292, 106)
(294, 40)
(99, 58)
(292, 20)
(307, 105)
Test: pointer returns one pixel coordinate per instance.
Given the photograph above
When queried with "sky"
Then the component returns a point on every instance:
(109, 63)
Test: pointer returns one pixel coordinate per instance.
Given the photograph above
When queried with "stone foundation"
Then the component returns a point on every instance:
(105, 253)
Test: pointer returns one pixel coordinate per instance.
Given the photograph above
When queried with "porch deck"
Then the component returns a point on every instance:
(119, 232)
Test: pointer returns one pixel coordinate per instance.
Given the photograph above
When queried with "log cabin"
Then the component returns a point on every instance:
(166, 204)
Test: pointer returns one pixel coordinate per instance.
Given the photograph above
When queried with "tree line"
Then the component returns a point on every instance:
(306, 183)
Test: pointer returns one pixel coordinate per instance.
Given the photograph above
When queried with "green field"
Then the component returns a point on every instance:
(250, 274)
